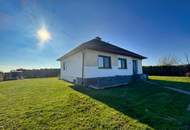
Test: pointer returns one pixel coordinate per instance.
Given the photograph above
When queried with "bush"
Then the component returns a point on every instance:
(178, 70)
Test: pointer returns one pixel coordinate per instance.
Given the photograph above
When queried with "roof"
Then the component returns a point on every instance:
(98, 45)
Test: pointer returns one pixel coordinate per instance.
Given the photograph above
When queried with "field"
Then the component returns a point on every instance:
(48, 103)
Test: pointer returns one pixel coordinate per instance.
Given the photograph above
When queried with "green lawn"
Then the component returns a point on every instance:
(172, 81)
(54, 104)
(50, 103)
(158, 107)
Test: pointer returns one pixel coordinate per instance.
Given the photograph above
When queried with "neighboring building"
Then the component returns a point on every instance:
(1, 76)
(13, 75)
(99, 64)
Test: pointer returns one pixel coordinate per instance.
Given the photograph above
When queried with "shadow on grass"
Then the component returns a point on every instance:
(155, 106)
(175, 84)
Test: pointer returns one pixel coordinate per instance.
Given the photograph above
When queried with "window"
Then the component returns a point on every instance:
(122, 63)
(104, 62)
(64, 66)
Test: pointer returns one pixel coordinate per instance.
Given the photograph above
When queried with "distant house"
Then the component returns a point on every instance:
(1, 76)
(99, 64)
(13, 75)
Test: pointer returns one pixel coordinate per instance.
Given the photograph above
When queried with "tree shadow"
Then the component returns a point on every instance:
(146, 103)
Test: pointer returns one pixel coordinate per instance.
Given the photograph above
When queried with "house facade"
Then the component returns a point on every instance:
(99, 64)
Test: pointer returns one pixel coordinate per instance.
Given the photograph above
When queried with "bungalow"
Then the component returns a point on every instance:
(99, 64)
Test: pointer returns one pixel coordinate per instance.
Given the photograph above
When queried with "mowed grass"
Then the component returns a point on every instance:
(49, 103)
(172, 81)
(160, 108)
(54, 104)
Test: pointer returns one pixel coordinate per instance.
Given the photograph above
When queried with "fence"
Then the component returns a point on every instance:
(34, 73)
(38, 73)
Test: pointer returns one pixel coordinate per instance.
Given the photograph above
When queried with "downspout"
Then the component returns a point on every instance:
(82, 67)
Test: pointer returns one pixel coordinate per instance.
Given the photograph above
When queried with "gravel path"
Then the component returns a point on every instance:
(171, 88)
(174, 89)
(179, 90)
(188, 108)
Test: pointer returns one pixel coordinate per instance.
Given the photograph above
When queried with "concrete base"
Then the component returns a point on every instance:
(107, 82)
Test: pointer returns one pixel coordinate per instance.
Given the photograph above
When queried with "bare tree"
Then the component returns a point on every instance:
(169, 60)
(187, 58)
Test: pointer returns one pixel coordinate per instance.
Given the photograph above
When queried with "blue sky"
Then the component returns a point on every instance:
(153, 28)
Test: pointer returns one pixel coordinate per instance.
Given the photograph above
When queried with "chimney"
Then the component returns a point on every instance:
(98, 38)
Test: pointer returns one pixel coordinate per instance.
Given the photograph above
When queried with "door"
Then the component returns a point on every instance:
(135, 67)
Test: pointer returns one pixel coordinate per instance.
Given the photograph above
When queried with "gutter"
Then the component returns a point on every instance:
(82, 67)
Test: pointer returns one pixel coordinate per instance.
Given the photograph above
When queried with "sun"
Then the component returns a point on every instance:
(43, 34)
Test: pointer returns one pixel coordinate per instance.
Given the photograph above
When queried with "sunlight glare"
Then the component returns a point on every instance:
(43, 35)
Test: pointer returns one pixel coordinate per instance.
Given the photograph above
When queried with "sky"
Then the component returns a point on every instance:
(34, 33)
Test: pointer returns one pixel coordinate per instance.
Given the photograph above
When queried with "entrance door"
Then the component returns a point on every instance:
(135, 67)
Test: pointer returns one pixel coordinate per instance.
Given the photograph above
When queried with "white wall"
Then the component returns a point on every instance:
(91, 70)
(73, 67)
(94, 71)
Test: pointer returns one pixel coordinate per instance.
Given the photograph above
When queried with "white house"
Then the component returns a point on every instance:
(99, 64)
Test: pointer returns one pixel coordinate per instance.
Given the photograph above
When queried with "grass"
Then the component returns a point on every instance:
(49, 103)
(172, 81)
(158, 107)
(53, 104)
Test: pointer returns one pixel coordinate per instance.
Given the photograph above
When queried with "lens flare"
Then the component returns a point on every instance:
(43, 35)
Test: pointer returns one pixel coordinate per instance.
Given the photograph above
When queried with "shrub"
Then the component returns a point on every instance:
(178, 70)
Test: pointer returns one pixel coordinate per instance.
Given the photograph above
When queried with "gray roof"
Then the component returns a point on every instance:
(98, 45)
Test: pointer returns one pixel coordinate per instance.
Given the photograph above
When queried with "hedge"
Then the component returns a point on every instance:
(178, 70)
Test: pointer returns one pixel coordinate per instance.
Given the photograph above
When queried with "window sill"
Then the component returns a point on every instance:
(103, 68)
(122, 68)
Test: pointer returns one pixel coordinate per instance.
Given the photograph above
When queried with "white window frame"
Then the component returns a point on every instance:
(102, 62)
(120, 63)
(64, 65)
